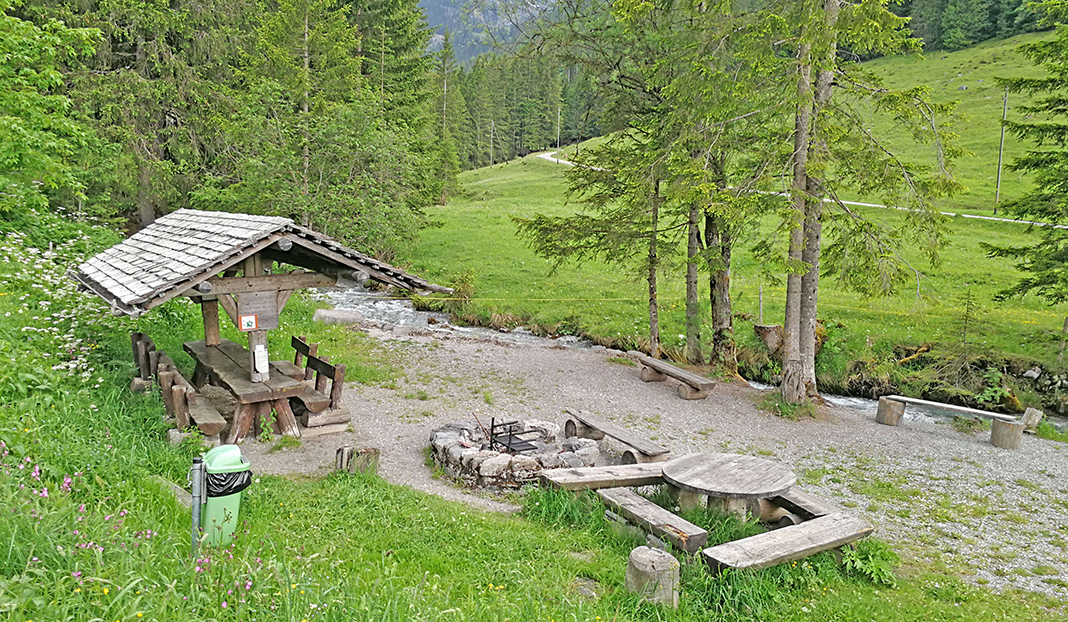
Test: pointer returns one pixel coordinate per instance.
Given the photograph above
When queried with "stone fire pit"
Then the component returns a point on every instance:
(462, 450)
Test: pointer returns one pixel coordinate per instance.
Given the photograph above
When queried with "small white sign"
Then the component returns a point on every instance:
(249, 322)
(261, 358)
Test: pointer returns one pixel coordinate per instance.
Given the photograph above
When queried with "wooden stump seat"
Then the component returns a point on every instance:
(1007, 430)
(587, 425)
(693, 387)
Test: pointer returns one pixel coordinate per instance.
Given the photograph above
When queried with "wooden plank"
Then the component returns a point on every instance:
(224, 372)
(330, 416)
(682, 375)
(278, 381)
(650, 516)
(953, 407)
(786, 544)
(206, 416)
(286, 368)
(803, 504)
(313, 401)
(270, 282)
(321, 364)
(643, 445)
(591, 478)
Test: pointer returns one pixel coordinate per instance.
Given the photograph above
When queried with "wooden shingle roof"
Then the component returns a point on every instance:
(186, 247)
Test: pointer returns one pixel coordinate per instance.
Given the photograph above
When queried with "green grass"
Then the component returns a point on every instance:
(476, 244)
(980, 106)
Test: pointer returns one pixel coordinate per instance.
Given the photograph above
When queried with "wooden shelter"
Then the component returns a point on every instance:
(224, 259)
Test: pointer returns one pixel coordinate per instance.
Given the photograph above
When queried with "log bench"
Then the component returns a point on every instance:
(298, 370)
(587, 425)
(320, 403)
(789, 543)
(681, 533)
(693, 387)
(181, 400)
(1006, 430)
(593, 478)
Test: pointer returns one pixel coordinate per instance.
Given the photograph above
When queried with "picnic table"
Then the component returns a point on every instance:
(228, 365)
(732, 480)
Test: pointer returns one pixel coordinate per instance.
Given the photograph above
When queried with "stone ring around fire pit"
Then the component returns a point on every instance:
(465, 453)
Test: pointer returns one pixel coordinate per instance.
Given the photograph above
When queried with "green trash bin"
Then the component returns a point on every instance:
(227, 474)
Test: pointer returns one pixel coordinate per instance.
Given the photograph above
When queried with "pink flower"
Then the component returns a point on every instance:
(44, 493)
(224, 604)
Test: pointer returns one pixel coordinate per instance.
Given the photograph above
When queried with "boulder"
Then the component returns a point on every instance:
(496, 466)
(337, 316)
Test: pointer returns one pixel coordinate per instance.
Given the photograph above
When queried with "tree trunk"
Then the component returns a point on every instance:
(814, 206)
(718, 244)
(146, 207)
(793, 380)
(654, 264)
(305, 107)
(693, 304)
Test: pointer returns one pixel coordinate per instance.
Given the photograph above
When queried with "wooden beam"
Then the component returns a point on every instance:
(230, 306)
(637, 509)
(591, 478)
(352, 263)
(789, 543)
(952, 407)
(270, 282)
(209, 310)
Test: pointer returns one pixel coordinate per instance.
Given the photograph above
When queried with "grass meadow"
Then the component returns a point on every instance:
(474, 243)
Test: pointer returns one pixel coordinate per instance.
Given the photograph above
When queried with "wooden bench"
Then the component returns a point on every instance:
(789, 543)
(1006, 431)
(181, 400)
(298, 369)
(592, 478)
(587, 425)
(681, 533)
(693, 387)
(320, 403)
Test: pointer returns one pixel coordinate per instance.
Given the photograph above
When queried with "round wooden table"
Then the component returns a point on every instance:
(732, 480)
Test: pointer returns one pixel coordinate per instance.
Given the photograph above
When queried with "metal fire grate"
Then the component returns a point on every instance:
(506, 436)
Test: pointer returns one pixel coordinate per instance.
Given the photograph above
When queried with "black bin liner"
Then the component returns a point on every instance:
(223, 484)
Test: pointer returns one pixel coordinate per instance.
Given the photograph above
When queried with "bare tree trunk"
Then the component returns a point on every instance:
(146, 207)
(814, 207)
(793, 380)
(305, 107)
(693, 303)
(654, 264)
(718, 244)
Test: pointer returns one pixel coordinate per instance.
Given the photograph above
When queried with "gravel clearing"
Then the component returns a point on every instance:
(995, 517)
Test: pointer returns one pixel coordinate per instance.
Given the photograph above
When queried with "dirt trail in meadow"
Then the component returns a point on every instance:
(994, 515)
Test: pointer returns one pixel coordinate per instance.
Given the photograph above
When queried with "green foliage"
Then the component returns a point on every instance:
(1048, 431)
(38, 138)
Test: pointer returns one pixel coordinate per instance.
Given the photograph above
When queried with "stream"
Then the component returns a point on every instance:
(380, 307)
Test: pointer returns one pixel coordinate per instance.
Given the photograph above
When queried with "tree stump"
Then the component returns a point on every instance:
(890, 411)
(351, 460)
(1006, 434)
(648, 374)
(653, 574)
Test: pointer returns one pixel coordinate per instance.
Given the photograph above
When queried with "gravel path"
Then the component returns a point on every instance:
(995, 517)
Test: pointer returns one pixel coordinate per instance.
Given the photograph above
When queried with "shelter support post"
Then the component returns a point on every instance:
(209, 310)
